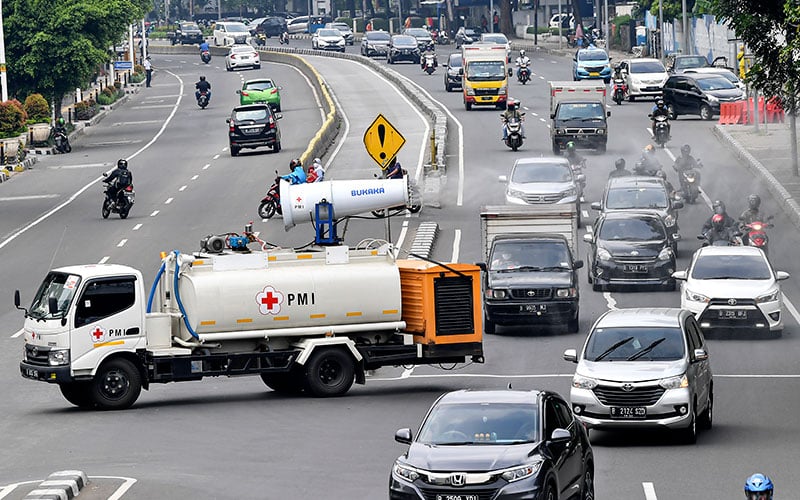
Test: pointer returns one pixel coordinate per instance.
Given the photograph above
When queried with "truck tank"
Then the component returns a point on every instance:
(285, 290)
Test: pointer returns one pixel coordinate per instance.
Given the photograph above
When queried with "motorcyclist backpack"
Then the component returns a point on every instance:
(124, 178)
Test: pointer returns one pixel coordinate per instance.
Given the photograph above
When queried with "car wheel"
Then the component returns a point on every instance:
(705, 112)
(671, 110)
(278, 108)
(556, 148)
(690, 433)
(549, 492)
(707, 417)
(234, 151)
(631, 98)
(448, 88)
(587, 489)
(228, 68)
(489, 327)
(257, 66)
(276, 147)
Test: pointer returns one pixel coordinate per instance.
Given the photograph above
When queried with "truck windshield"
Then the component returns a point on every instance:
(60, 286)
(486, 71)
(531, 255)
(585, 111)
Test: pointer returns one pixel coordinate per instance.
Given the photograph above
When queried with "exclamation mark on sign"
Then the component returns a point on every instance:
(382, 137)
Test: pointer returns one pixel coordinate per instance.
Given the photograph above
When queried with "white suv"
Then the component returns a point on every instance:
(230, 33)
(733, 289)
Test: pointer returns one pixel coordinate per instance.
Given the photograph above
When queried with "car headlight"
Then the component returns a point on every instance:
(665, 254)
(603, 254)
(58, 357)
(564, 293)
(569, 192)
(601, 131)
(768, 297)
(410, 474)
(502, 91)
(581, 382)
(695, 297)
(518, 473)
(679, 382)
(496, 293)
(560, 131)
(669, 220)
(513, 193)
(712, 98)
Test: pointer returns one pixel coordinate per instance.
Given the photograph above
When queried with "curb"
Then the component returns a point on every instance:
(62, 485)
(785, 199)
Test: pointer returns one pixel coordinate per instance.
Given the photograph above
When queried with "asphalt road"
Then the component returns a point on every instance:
(232, 438)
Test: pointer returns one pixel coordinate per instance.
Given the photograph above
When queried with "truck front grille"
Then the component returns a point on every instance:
(531, 293)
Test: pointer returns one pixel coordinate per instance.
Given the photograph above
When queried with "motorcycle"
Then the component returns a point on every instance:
(514, 132)
(661, 130)
(271, 202)
(524, 74)
(61, 142)
(729, 239)
(205, 56)
(690, 183)
(620, 90)
(755, 233)
(284, 38)
(441, 37)
(261, 39)
(429, 63)
(122, 205)
(202, 100)
(577, 172)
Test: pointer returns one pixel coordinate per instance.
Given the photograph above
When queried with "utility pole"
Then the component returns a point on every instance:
(661, 30)
(686, 48)
(560, 24)
(606, 34)
(3, 75)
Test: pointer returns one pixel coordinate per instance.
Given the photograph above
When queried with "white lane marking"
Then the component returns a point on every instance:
(29, 197)
(92, 183)
(85, 165)
(649, 131)
(155, 212)
(610, 302)
(589, 229)
(169, 200)
(476, 375)
(140, 122)
(585, 214)
(403, 233)
(152, 106)
(122, 242)
(526, 108)
(407, 372)
(583, 200)
(194, 177)
(206, 166)
(705, 197)
(136, 227)
(534, 113)
(790, 307)
(19, 332)
(649, 491)
(541, 78)
(215, 157)
(124, 487)
(669, 153)
(182, 188)
(456, 246)
(104, 259)
(541, 120)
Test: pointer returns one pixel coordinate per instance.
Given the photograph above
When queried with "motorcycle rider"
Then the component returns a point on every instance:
(296, 173)
(522, 61)
(719, 231)
(512, 111)
(719, 209)
(670, 188)
(752, 213)
(648, 164)
(758, 487)
(619, 169)
(394, 170)
(202, 86)
(118, 179)
(319, 170)
(685, 162)
(204, 46)
(660, 109)
(573, 156)
(60, 127)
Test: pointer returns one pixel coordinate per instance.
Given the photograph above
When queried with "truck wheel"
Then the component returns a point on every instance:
(116, 386)
(78, 393)
(284, 383)
(489, 326)
(329, 372)
(572, 325)
(468, 106)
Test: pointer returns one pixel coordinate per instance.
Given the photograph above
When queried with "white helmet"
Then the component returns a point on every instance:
(522, 52)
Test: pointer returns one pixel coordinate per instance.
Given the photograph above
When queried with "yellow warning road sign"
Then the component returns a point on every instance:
(383, 141)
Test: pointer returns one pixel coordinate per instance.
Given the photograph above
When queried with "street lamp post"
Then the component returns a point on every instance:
(661, 30)
(686, 48)
(3, 75)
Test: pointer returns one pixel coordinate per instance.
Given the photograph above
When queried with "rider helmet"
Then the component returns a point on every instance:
(620, 163)
(686, 150)
(754, 201)
(570, 147)
(719, 207)
(294, 163)
(202, 78)
(718, 221)
(660, 103)
(522, 52)
(60, 121)
(511, 104)
(758, 487)
(122, 163)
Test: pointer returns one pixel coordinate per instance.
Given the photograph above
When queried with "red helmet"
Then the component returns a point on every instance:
(511, 104)
(717, 220)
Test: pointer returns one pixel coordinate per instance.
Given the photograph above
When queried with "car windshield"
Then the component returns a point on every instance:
(341, 26)
(251, 114)
(455, 61)
(408, 41)
(525, 173)
(374, 37)
(329, 32)
(258, 85)
(417, 32)
(715, 83)
(59, 286)
(592, 55)
(586, 111)
(237, 28)
(494, 38)
(533, 255)
(733, 267)
(647, 67)
(480, 424)
(189, 27)
(636, 197)
(649, 229)
(690, 62)
(486, 71)
(639, 343)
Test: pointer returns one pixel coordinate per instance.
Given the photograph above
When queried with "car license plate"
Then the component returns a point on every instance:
(634, 268)
(245, 57)
(594, 73)
(732, 314)
(528, 308)
(628, 412)
(456, 497)
(30, 372)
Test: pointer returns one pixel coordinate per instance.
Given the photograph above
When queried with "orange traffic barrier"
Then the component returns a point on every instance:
(744, 112)
(775, 112)
(725, 113)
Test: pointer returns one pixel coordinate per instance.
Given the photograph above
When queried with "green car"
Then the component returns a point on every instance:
(258, 91)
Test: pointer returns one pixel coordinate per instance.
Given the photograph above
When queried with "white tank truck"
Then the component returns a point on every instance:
(311, 321)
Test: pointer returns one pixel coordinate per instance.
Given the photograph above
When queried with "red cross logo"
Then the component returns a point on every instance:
(269, 300)
(299, 199)
(98, 334)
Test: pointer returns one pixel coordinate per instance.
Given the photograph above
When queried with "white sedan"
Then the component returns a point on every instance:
(644, 77)
(733, 288)
(242, 56)
(328, 39)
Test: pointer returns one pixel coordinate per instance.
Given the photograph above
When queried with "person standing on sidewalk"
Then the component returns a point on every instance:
(496, 22)
(148, 69)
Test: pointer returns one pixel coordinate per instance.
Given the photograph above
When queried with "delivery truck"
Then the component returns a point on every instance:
(579, 114)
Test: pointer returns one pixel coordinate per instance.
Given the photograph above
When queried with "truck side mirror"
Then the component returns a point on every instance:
(16, 299)
(577, 264)
(510, 72)
(481, 265)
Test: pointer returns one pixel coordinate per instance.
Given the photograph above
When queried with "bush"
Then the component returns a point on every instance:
(138, 69)
(85, 109)
(542, 30)
(37, 109)
(12, 119)
(136, 78)
(104, 99)
(380, 24)
(347, 20)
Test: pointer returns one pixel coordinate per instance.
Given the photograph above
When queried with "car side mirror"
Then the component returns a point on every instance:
(571, 355)
(552, 116)
(227, 120)
(676, 236)
(608, 114)
(239, 92)
(510, 72)
(679, 275)
(677, 205)
(461, 72)
(560, 435)
(781, 275)
(280, 88)
(403, 436)
(577, 264)
(278, 116)
(595, 205)
(700, 355)
(502, 178)
(482, 266)
(588, 238)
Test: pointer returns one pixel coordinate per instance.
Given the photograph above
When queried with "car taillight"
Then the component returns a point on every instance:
(244, 93)
(274, 91)
(233, 56)
(232, 130)
(129, 188)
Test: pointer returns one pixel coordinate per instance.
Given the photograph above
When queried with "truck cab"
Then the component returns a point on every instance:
(485, 76)
(579, 114)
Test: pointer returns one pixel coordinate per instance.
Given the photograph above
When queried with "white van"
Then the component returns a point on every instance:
(230, 33)
(297, 25)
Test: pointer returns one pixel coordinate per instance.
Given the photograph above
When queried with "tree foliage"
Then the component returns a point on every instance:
(672, 9)
(770, 32)
(54, 46)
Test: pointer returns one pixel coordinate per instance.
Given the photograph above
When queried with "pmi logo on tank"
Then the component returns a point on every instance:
(366, 192)
(271, 300)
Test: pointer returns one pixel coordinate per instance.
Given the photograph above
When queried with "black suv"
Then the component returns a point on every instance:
(271, 26)
(452, 75)
(253, 126)
(187, 33)
(403, 48)
(699, 94)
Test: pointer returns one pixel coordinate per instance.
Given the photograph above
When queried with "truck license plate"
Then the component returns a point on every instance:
(634, 268)
(30, 372)
(628, 412)
(456, 497)
(732, 314)
(529, 308)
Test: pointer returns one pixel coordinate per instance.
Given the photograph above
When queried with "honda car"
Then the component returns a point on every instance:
(253, 126)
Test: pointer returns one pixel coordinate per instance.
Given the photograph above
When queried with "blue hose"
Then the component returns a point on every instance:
(178, 298)
(155, 284)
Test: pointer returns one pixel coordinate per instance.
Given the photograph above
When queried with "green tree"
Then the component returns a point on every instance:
(54, 46)
(673, 9)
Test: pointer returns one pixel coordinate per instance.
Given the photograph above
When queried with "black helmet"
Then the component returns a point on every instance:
(754, 201)
(686, 149)
(294, 163)
(202, 78)
(719, 207)
(620, 163)
(122, 163)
